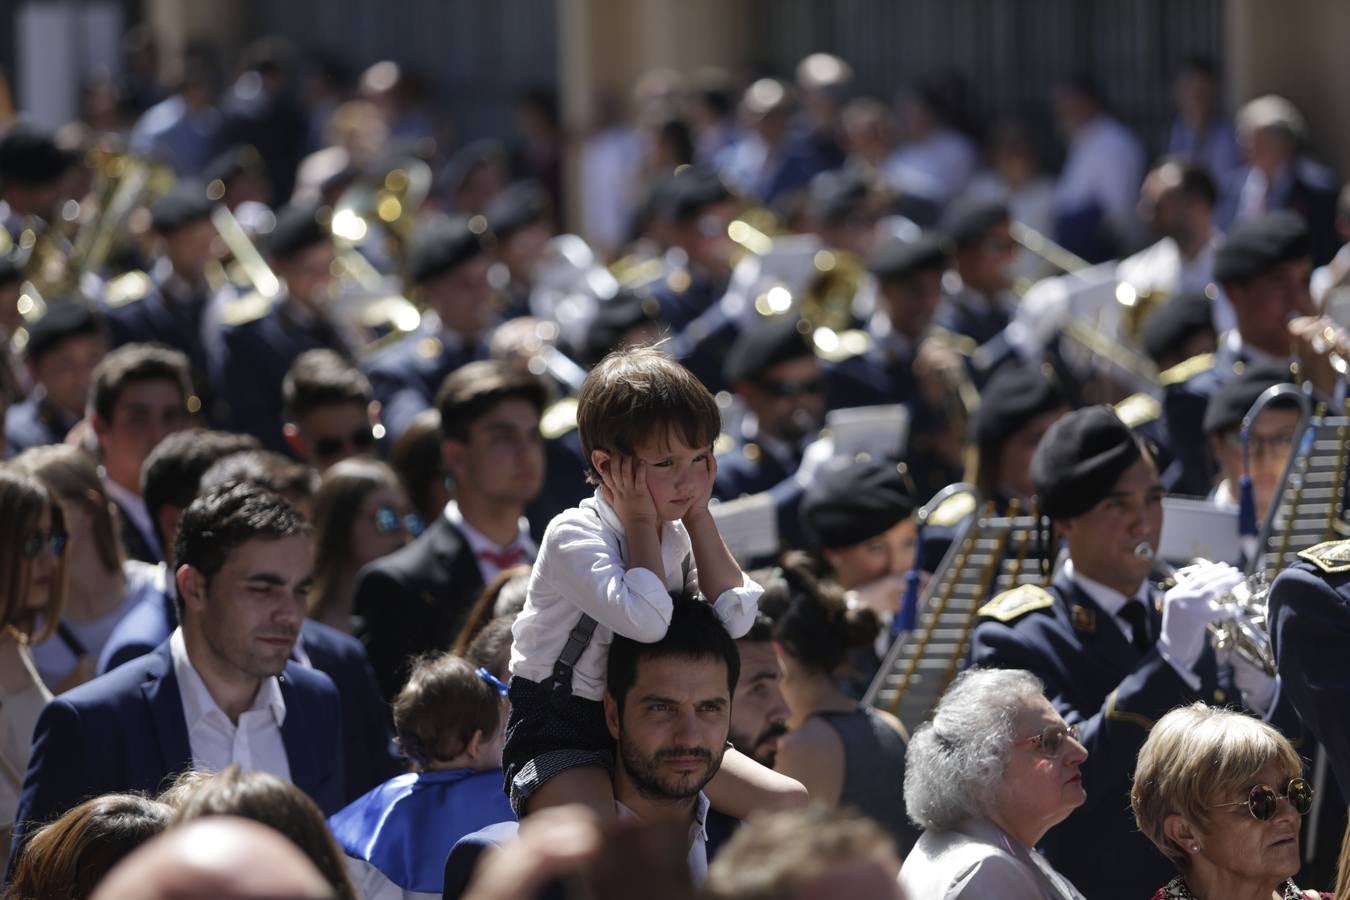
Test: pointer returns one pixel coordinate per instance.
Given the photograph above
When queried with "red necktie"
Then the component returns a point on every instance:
(504, 559)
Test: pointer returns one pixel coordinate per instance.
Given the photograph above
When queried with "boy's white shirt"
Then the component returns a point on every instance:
(580, 569)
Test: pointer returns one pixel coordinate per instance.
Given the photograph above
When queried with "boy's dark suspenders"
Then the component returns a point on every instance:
(578, 639)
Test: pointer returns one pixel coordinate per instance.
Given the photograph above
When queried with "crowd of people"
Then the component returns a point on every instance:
(367, 537)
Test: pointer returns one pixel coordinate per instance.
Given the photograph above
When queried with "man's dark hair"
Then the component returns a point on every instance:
(321, 378)
(761, 630)
(132, 364)
(174, 469)
(1196, 181)
(265, 468)
(474, 390)
(221, 520)
(695, 633)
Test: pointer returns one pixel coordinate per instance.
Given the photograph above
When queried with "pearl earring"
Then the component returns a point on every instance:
(1195, 848)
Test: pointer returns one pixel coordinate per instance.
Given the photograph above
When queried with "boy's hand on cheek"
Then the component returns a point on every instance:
(703, 495)
(625, 487)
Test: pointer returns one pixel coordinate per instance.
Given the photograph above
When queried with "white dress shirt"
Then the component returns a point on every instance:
(581, 569)
(134, 507)
(698, 837)
(1105, 165)
(254, 743)
(479, 542)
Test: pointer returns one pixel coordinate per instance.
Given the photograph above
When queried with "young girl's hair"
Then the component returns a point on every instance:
(636, 395)
(444, 702)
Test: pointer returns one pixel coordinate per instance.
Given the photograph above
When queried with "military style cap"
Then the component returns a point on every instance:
(850, 503)
(1234, 398)
(685, 194)
(440, 245)
(1175, 322)
(1014, 395)
(298, 228)
(897, 258)
(1255, 246)
(969, 221)
(1079, 460)
(185, 203)
(766, 343)
(523, 203)
(65, 318)
(836, 195)
(31, 156)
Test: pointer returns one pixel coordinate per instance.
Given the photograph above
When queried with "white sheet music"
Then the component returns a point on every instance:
(876, 430)
(749, 526)
(1198, 529)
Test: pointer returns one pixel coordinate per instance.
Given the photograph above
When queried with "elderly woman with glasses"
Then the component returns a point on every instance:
(993, 771)
(1222, 795)
(33, 586)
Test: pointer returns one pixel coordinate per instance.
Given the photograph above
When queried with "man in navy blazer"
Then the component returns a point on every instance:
(221, 690)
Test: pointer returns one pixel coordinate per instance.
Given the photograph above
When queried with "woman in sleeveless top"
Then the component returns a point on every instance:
(33, 582)
(847, 755)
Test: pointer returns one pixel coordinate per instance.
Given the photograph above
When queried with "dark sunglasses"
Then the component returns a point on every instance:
(1263, 799)
(1052, 739)
(787, 389)
(33, 544)
(360, 439)
(388, 521)
(493, 680)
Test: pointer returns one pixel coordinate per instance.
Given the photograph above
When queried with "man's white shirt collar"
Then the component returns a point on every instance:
(1110, 600)
(198, 704)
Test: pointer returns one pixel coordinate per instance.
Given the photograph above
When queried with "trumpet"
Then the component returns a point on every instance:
(1244, 628)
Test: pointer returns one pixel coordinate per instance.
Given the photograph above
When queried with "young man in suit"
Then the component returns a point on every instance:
(221, 690)
(415, 599)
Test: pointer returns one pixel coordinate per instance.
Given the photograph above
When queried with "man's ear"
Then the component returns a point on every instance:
(373, 413)
(452, 454)
(99, 424)
(291, 432)
(191, 587)
(612, 714)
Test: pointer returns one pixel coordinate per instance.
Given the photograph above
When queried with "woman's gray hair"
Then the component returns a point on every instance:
(955, 762)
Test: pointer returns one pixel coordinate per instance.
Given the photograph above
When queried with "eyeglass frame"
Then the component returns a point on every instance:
(35, 540)
(1287, 795)
(1061, 733)
(389, 520)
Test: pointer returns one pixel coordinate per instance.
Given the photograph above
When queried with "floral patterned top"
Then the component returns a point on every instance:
(1176, 889)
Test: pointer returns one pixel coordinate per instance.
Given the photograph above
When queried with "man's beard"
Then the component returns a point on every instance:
(750, 747)
(647, 776)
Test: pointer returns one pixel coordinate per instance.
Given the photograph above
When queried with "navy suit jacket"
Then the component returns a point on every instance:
(407, 375)
(1095, 678)
(125, 731)
(367, 733)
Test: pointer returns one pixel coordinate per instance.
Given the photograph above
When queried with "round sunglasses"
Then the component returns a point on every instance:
(33, 544)
(388, 521)
(1052, 739)
(1263, 800)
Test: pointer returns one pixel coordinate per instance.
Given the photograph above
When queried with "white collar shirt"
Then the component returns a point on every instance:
(484, 548)
(1110, 600)
(698, 837)
(254, 743)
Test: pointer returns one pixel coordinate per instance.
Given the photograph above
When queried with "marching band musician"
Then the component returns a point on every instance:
(32, 171)
(448, 267)
(520, 220)
(1113, 650)
(1263, 266)
(1269, 442)
(978, 301)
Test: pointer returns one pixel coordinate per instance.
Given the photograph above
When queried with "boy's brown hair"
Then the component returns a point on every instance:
(633, 395)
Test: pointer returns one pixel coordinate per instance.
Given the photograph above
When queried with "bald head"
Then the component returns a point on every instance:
(216, 858)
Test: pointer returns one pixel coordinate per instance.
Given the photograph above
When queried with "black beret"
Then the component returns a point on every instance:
(685, 194)
(1014, 394)
(65, 318)
(30, 156)
(185, 203)
(852, 502)
(10, 270)
(970, 221)
(298, 228)
(836, 195)
(1171, 325)
(439, 245)
(521, 204)
(766, 343)
(895, 257)
(1255, 246)
(232, 163)
(1234, 398)
(1080, 459)
(616, 316)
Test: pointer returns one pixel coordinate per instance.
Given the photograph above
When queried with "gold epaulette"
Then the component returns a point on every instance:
(127, 288)
(1186, 370)
(842, 346)
(1331, 556)
(1139, 409)
(952, 510)
(559, 419)
(245, 309)
(1011, 605)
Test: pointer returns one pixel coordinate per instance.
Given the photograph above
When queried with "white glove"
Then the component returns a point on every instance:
(1258, 688)
(1189, 607)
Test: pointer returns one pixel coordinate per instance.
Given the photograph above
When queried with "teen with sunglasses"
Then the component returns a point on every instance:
(33, 582)
(992, 772)
(1222, 795)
